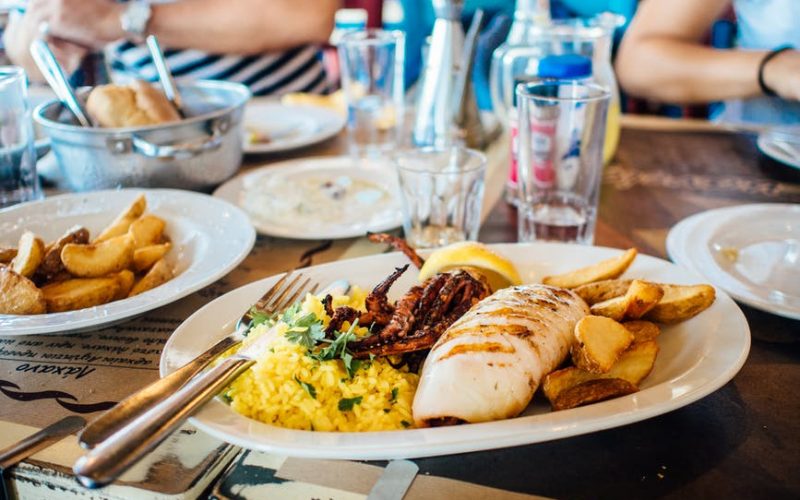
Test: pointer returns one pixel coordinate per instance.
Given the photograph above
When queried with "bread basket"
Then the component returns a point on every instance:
(197, 153)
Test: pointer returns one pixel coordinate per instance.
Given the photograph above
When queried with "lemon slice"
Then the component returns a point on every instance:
(499, 271)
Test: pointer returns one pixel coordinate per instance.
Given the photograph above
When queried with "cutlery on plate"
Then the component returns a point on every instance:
(276, 298)
(111, 457)
(36, 442)
(164, 75)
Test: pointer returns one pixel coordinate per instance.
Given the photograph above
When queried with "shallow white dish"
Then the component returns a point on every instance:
(750, 251)
(776, 147)
(209, 237)
(370, 219)
(288, 127)
(697, 357)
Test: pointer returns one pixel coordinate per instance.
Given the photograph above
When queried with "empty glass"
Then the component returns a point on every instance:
(18, 180)
(372, 80)
(442, 192)
(562, 126)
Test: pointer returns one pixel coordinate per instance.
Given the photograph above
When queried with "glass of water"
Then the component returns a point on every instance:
(442, 194)
(562, 127)
(372, 80)
(18, 180)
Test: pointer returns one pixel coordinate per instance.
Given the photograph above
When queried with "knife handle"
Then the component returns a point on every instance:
(138, 403)
(124, 448)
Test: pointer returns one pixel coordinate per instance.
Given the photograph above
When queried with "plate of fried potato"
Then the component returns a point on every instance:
(80, 261)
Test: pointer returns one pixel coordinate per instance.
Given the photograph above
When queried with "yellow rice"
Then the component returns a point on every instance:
(270, 391)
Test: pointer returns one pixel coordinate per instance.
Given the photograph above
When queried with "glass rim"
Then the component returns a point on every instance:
(10, 72)
(463, 169)
(370, 36)
(522, 91)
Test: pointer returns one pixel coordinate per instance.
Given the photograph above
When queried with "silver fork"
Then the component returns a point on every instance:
(281, 295)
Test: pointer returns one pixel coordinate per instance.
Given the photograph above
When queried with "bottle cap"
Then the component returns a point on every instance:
(565, 66)
(350, 19)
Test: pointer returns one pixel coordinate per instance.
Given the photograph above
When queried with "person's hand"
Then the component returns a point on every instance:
(89, 23)
(782, 74)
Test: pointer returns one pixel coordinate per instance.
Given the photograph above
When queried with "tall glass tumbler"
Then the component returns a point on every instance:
(18, 180)
(562, 126)
(442, 194)
(372, 80)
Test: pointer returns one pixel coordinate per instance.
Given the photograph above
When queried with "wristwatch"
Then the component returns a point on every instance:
(134, 19)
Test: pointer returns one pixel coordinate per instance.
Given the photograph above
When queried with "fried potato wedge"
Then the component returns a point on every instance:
(612, 308)
(145, 257)
(79, 293)
(18, 294)
(642, 296)
(642, 330)
(125, 280)
(123, 222)
(593, 391)
(7, 254)
(29, 255)
(599, 291)
(51, 264)
(681, 302)
(633, 365)
(158, 274)
(599, 343)
(98, 259)
(603, 270)
(146, 230)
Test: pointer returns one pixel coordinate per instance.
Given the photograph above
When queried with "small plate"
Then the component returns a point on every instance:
(750, 251)
(696, 358)
(288, 127)
(209, 236)
(297, 198)
(783, 147)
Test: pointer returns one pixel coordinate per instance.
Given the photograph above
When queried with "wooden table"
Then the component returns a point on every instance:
(741, 441)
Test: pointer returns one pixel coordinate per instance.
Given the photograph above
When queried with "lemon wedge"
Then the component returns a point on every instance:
(499, 271)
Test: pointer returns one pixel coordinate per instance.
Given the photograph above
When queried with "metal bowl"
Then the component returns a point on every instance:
(198, 152)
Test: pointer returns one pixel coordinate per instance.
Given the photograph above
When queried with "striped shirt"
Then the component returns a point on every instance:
(296, 70)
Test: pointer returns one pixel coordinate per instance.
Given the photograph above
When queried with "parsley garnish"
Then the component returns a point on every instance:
(347, 404)
(306, 330)
(308, 387)
(405, 424)
(393, 399)
(338, 349)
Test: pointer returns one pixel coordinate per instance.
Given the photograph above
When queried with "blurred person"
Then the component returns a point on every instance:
(269, 45)
(662, 58)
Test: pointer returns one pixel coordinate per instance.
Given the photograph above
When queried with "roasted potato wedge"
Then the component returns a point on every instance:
(612, 308)
(681, 302)
(79, 293)
(642, 330)
(7, 254)
(603, 270)
(125, 280)
(592, 293)
(593, 391)
(599, 342)
(145, 257)
(98, 259)
(123, 222)
(147, 230)
(158, 274)
(633, 365)
(18, 294)
(642, 296)
(51, 263)
(29, 255)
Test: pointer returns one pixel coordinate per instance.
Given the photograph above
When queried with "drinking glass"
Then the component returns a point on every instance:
(18, 180)
(372, 80)
(442, 193)
(562, 126)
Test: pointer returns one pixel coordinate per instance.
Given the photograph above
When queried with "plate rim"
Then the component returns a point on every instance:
(98, 319)
(232, 188)
(332, 124)
(765, 146)
(574, 425)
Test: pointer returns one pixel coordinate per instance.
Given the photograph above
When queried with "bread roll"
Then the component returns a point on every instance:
(136, 105)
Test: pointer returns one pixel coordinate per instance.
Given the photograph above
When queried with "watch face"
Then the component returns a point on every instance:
(134, 19)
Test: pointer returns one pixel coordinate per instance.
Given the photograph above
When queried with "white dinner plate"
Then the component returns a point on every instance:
(288, 127)
(750, 251)
(288, 215)
(783, 147)
(696, 358)
(209, 237)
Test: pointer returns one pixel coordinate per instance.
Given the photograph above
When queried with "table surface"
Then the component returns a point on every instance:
(741, 441)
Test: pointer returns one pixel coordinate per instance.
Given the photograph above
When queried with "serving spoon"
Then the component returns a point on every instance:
(164, 75)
